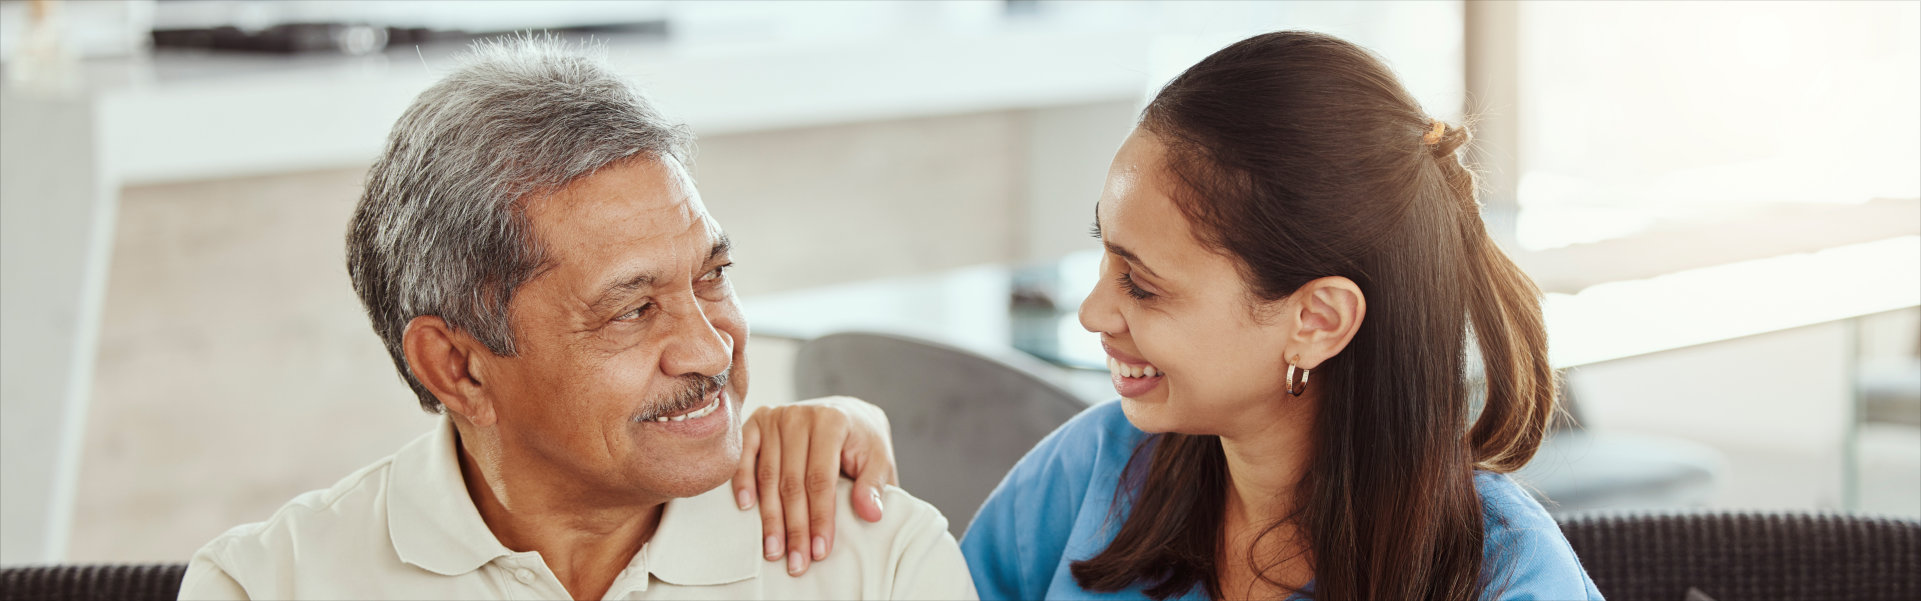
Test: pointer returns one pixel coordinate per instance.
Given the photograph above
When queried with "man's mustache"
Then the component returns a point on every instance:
(693, 394)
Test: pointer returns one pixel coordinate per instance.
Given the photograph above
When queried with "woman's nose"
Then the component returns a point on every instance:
(1098, 312)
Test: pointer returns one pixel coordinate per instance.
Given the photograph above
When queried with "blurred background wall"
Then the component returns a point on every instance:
(1719, 198)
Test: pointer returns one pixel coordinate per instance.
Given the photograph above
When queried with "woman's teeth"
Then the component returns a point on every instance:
(1131, 371)
(693, 415)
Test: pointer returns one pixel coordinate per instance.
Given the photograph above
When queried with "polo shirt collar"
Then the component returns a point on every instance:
(702, 540)
(430, 516)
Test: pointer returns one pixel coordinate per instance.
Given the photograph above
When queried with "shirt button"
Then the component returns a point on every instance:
(524, 575)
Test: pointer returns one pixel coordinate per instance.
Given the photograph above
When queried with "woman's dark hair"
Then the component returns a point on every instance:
(1300, 156)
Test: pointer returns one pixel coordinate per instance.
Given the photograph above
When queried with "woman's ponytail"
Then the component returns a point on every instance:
(1504, 307)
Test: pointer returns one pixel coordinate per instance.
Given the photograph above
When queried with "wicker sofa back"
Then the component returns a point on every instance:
(1785, 556)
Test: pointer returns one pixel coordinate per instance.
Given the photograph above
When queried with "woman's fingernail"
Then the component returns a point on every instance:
(773, 548)
(876, 495)
(745, 498)
(820, 548)
(793, 562)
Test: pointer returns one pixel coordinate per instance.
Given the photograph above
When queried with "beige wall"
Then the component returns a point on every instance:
(824, 205)
(235, 367)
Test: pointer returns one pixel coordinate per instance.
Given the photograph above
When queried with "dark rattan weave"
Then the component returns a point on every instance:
(1749, 556)
(1656, 557)
(118, 582)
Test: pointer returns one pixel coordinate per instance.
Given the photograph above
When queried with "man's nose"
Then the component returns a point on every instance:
(696, 347)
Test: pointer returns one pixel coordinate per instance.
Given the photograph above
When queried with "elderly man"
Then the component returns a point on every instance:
(540, 266)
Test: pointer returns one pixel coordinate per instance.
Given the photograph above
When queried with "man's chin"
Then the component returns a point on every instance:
(683, 485)
(693, 475)
(679, 467)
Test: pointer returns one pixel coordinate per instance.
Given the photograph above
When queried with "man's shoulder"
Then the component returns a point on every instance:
(902, 514)
(346, 520)
(909, 553)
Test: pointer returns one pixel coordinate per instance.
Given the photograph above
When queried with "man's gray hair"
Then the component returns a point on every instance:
(441, 229)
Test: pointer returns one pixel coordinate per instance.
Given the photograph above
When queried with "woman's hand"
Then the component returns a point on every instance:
(791, 458)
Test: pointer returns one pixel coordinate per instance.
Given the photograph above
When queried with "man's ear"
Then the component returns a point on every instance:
(444, 360)
(1327, 313)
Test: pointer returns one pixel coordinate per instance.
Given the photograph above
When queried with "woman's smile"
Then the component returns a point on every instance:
(1133, 377)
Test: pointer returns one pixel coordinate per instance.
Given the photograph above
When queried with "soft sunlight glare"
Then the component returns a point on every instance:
(1644, 114)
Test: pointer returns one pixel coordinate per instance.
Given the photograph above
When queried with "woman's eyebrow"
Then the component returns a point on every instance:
(1131, 257)
(1122, 250)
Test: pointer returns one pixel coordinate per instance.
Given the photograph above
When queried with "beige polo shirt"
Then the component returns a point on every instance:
(404, 528)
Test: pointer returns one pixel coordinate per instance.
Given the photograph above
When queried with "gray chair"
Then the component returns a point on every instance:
(1581, 469)
(1781, 556)
(960, 418)
(1578, 469)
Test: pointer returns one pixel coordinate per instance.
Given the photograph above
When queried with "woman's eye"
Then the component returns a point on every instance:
(637, 313)
(1127, 285)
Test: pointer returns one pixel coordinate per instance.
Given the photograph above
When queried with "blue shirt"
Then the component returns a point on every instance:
(1053, 509)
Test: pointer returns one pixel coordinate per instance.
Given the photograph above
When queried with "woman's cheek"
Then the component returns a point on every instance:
(1166, 345)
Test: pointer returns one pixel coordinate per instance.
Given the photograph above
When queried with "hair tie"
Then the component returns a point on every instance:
(1434, 137)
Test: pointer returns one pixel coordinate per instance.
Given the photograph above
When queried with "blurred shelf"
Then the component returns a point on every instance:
(178, 116)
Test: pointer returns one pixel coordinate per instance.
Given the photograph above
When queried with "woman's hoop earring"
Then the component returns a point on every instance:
(1293, 388)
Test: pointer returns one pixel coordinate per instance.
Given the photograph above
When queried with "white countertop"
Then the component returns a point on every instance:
(184, 116)
(728, 68)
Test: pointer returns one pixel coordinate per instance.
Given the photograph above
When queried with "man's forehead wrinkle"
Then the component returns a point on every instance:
(641, 272)
(697, 236)
(609, 222)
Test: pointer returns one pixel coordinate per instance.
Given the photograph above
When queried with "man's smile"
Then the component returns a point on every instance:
(701, 421)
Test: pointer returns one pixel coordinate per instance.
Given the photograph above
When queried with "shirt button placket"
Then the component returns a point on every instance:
(525, 576)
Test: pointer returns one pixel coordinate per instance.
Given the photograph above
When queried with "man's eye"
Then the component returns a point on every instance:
(637, 313)
(716, 274)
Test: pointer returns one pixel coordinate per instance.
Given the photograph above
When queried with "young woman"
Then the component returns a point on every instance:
(1294, 259)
